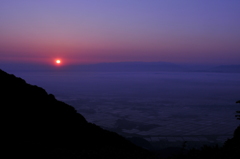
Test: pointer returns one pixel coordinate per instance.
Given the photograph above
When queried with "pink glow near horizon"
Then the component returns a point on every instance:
(186, 32)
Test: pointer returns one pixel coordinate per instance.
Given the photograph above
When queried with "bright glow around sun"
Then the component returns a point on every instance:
(58, 61)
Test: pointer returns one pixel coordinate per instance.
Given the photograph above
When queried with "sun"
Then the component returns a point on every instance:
(58, 61)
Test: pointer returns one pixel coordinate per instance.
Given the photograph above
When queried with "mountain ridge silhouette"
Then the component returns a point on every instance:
(36, 125)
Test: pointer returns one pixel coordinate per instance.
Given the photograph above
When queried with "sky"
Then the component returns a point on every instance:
(95, 31)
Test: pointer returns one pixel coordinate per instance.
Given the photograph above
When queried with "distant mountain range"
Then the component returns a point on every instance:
(126, 67)
(226, 68)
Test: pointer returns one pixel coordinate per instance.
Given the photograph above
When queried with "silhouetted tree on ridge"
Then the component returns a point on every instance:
(237, 131)
(238, 116)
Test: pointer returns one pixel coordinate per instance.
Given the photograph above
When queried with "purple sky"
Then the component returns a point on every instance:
(93, 31)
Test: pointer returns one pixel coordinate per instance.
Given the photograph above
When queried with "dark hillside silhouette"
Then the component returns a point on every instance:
(36, 125)
(232, 146)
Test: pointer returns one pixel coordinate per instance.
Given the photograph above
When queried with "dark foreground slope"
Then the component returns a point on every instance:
(36, 125)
